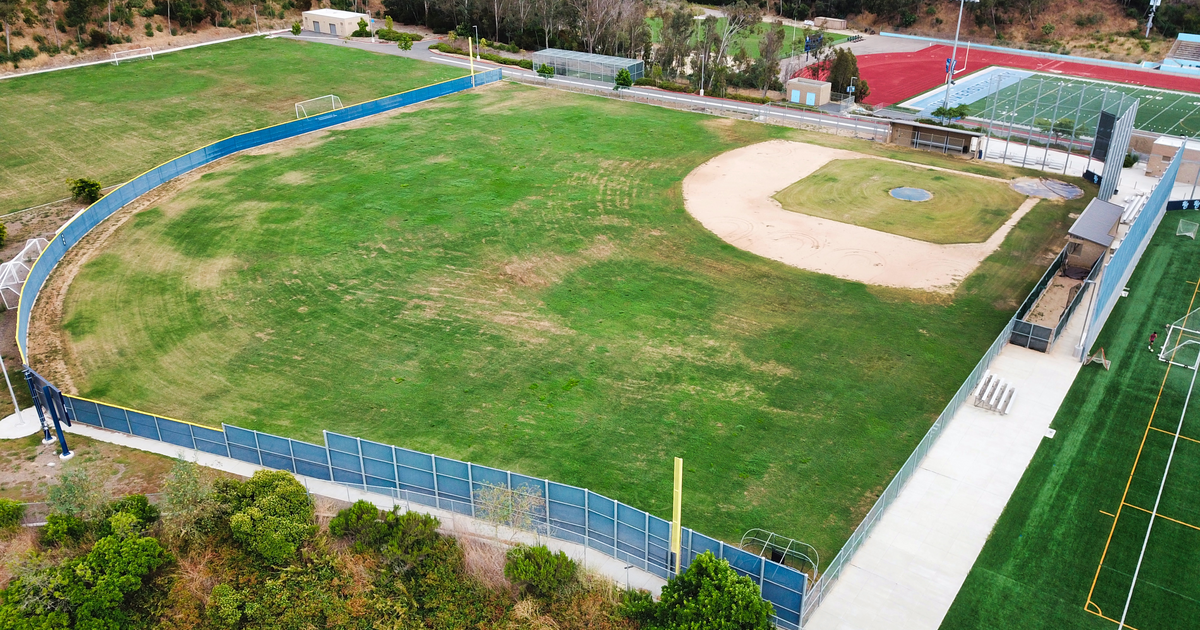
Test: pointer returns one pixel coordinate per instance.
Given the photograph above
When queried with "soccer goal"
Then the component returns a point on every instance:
(319, 105)
(1182, 345)
(1187, 228)
(127, 55)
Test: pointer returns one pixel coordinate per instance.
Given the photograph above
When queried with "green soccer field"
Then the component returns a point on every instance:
(111, 123)
(1065, 549)
(509, 276)
(1057, 97)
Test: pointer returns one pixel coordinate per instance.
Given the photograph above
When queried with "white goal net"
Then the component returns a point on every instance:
(14, 272)
(129, 55)
(319, 105)
(1187, 228)
(1182, 344)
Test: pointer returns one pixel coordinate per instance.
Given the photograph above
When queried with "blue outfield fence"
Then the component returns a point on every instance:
(567, 513)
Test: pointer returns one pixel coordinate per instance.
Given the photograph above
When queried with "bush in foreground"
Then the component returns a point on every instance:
(710, 594)
(538, 572)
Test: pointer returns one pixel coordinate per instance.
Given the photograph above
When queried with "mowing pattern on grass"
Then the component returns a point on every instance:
(111, 123)
(1159, 111)
(1063, 553)
(963, 209)
(566, 320)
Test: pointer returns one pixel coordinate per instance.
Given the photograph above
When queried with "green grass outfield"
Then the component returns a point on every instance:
(509, 276)
(963, 209)
(1039, 565)
(1159, 111)
(111, 123)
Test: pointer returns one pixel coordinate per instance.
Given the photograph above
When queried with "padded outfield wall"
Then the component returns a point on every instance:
(569, 513)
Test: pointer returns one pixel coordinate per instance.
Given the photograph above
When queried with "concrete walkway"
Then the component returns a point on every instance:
(908, 572)
(453, 523)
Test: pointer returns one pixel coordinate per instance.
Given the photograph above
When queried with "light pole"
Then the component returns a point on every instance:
(953, 60)
(476, 42)
(850, 89)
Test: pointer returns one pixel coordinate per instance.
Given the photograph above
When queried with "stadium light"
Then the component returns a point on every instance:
(476, 42)
(953, 60)
(1150, 21)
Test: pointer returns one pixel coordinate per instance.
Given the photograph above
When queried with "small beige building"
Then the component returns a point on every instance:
(809, 92)
(1163, 151)
(830, 23)
(1090, 236)
(335, 22)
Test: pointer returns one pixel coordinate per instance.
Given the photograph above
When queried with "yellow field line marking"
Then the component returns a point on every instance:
(1164, 517)
(1129, 482)
(1100, 615)
(1182, 437)
(1107, 514)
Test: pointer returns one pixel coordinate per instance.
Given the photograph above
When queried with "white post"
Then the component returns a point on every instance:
(16, 407)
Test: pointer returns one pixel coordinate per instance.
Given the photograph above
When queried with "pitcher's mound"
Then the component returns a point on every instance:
(908, 193)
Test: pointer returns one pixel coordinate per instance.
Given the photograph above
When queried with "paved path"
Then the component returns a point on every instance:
(908, 572)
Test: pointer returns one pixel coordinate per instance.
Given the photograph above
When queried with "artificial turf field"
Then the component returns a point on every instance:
(963, 209)
(1064, 551)
(110, 123)
(1159, 111)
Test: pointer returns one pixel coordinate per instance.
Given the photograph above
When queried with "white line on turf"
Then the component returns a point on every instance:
(1158, 499)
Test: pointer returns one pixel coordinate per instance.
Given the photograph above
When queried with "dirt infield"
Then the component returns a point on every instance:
(894, 77)
(731, 195)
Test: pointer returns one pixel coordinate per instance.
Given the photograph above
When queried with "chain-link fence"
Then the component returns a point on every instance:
(816, 594)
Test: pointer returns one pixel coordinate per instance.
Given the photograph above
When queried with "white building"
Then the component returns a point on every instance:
(335, 22)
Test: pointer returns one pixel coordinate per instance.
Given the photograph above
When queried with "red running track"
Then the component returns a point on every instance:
(895, 77)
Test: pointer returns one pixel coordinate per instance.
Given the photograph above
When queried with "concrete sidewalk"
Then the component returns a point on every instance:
(908, 572)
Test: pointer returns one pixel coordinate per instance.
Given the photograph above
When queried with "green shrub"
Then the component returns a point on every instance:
(545, 71)
(364, 30)
(84, 190)
(296, 28)
(149, 29)
(710, 594)
(136, 505)
(102, 590)
(272, 515)
(63, 529)
(388, 34)
(361, 523)
(11, 512)
(538, 572)
(1130, 160)
(747, 99)
(404, 42)
(225, 606)
(623, 78)
(411, 537)
(26, 52)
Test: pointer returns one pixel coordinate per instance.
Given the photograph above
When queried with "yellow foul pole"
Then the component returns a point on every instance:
(471, 56)
(676, 510)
